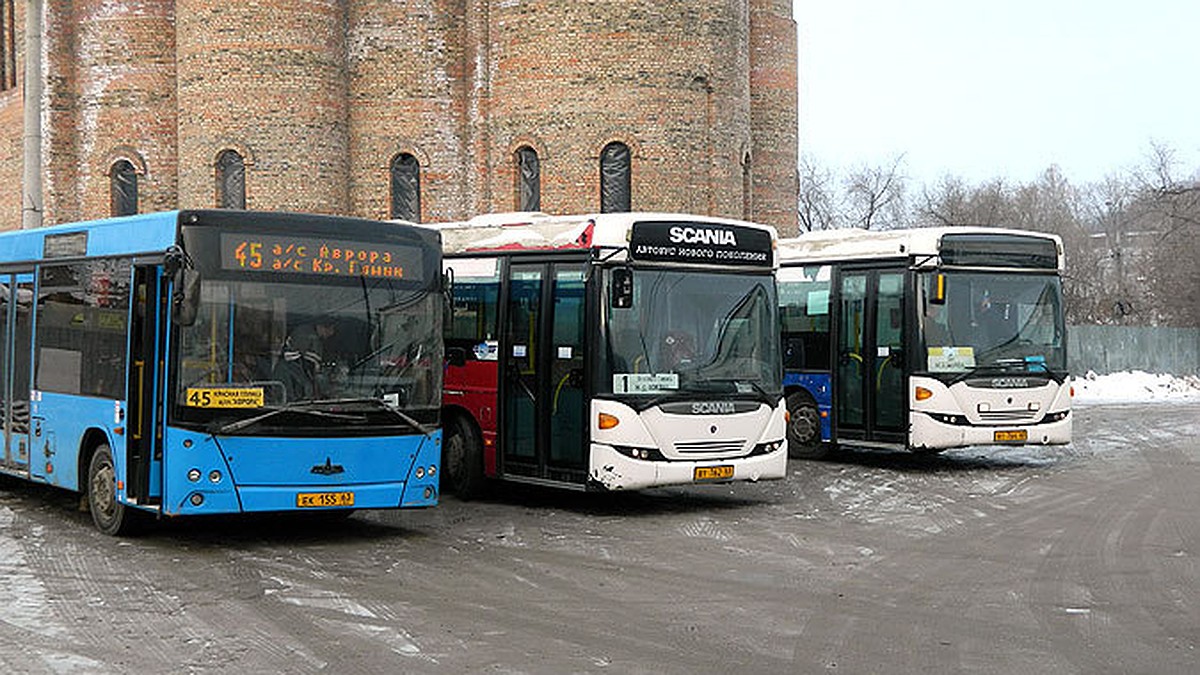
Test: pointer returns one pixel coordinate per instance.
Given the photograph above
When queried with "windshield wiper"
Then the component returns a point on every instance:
(1004, 366)
(738, 384)
(306, 407)
(383, 405)
(303, 407)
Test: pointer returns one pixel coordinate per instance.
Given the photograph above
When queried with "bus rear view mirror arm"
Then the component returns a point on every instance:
(186, 298)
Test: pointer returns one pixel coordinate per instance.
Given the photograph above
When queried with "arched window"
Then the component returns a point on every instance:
(614, 178)
(123, 188)
(406, 188)
(529, 180)
(231, 180)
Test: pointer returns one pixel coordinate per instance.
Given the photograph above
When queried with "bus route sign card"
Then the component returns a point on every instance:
(225, 397)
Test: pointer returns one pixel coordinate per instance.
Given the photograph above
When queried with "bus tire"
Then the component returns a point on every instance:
(462, 459)
(110, 516)
(804, 428)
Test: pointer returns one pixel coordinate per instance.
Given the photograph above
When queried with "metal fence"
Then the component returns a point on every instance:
(1154, 349)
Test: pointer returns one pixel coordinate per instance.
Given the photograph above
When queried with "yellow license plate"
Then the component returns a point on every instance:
(1018, 435)
(319, 499)
(712, 472)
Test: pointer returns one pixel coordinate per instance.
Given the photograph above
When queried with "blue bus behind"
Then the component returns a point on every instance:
(212, 362)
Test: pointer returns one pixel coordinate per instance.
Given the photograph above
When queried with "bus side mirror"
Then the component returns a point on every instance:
(186, 301)
(622, 287)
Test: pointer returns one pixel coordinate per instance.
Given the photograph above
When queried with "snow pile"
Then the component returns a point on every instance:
(1135, 387)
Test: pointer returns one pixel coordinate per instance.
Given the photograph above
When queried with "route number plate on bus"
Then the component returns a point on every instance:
(1017, 435)
(318, 499)
(712, 472)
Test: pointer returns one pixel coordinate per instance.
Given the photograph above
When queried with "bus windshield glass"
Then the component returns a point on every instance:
(991, 321)
(692, 333)
(295, 354)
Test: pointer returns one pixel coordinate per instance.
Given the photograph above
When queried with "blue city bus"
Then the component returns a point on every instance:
(214, 362)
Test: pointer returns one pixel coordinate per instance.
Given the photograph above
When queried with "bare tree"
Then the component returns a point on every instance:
(1176, 201)
(818, 202)
(1132, 240)
(876, 195)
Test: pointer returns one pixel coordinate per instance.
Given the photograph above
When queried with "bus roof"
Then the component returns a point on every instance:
(925, 242)
(142, 233)
(531, 230)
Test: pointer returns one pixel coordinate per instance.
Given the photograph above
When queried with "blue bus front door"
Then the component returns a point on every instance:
(146, 338)
(17, 316)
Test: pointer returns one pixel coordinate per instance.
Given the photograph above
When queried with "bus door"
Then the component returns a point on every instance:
(146, 344)
(16, 312)
(869, 389)
(543, 431)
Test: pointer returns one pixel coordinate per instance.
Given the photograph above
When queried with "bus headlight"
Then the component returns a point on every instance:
(193, 475)
(420, 472)
(648, 454)
(606, 421)
(923, 393)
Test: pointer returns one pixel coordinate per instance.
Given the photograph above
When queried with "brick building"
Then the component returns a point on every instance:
(428, 109)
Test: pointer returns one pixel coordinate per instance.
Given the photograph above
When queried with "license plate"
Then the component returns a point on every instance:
(712, 472)
(1018, 435)
(319, 499)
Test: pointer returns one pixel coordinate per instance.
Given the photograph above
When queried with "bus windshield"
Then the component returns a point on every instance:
(689, 333)
(361, 356)
(991, 320)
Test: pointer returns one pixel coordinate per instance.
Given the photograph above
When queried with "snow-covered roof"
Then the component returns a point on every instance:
(536, 230)
(857, 243)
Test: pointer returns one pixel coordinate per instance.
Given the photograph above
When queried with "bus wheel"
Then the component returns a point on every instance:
(462, 459)
(111, 516)
(804, 428)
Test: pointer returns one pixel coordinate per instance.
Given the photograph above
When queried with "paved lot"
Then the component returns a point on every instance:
(1080, 559)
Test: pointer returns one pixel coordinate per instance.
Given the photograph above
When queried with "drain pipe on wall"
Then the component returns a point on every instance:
(31, 183)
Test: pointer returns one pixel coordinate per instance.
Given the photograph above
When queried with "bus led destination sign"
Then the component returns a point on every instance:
(700, 242)
(320, 256)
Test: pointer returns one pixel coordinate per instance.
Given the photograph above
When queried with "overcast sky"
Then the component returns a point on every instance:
(999, 89)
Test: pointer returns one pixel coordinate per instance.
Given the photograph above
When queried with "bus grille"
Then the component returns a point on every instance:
(710, 447)
(1008, 415)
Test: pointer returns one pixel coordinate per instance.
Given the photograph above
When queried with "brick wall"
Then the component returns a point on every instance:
(268, 79)
(319, 96)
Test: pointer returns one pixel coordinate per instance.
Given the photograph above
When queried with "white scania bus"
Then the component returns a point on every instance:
(924, 339)
(611, 352)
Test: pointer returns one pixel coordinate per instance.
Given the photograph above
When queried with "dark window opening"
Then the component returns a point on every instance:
(615, 182)
(231, 180)
(124, 190)
(529, 180)
(406, 188)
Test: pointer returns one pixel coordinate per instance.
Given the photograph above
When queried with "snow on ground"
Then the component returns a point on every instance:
(1135, 387)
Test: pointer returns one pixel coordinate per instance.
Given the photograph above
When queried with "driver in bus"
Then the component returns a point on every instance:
(311, 358)
(937, 330)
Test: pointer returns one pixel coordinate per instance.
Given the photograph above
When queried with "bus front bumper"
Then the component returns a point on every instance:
(940, 436)
(611, 470)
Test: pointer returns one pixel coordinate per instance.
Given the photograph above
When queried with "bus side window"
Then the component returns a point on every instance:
(804, 311)
(472, 328)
